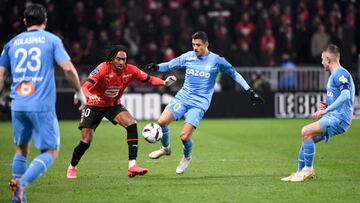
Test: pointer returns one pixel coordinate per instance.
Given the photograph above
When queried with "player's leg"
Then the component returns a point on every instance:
(164, 121)
(307, 153)
(79, 151)
(192, 119)
(47, 139)
(125, 119)
(175, 110)
(22, 135)
(90, 119)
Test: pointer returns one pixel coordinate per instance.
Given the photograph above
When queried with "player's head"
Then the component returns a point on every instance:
(330, 56)
(200, 43)
(35, 14)
(117, 57)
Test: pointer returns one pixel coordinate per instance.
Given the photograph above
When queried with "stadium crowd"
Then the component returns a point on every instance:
(248, 33)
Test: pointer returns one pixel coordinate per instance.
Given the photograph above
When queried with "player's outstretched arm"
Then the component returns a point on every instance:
(159, 82)
(73, 77)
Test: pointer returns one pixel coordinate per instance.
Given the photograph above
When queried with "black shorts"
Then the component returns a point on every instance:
(91, 116)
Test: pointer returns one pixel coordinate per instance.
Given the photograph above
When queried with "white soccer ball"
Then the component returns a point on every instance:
(152, 132)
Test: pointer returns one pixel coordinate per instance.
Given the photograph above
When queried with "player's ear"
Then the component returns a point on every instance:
(45, 22)
(25, 22)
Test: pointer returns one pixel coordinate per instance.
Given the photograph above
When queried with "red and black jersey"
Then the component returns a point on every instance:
(108, 85)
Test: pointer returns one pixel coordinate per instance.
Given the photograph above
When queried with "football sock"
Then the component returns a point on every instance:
(132, 140)
(187, 147)
(132, 163)
(309, 152)
(301, 162)
(18, 166)
(37, 167)
(78, 152)
(165, 141)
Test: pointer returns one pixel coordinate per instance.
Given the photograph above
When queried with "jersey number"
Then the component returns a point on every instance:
(33, 64)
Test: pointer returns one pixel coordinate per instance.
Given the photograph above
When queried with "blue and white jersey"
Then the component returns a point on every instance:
(200, 76)
(338, 81)
(30, 57)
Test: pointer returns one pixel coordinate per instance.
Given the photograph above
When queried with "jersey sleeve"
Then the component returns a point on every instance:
(176, 63)
(4, 57)
(139, 74)
(341, 80)
(60, 53)
(97, 74)
(228, 69)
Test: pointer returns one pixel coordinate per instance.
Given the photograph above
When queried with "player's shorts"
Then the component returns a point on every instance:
(42, 126)
(193, 115)
(91, 116)
(332, 126)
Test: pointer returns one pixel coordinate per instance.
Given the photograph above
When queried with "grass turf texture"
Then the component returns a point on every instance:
(233, 160)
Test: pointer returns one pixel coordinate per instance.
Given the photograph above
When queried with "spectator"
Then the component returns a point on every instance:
(318, 41)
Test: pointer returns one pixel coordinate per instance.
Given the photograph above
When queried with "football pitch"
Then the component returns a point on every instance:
(234, 160)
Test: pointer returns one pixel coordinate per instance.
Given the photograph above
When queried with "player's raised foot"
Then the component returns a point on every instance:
(71, 172)
(136, 170)
(303, 175)
(183, 165)
(18, 192)
(158, 153)
(288, 178)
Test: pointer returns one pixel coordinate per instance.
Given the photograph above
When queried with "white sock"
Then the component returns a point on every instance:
(132, 163)
(308, 168)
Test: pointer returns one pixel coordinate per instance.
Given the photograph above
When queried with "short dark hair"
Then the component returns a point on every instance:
(200, 35)
(114, 49)
(35, 14)
(332, 49)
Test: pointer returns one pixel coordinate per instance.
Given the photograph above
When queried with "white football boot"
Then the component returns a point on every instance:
(184, 163)
(305, 174)
(288, 178)
(160, 152)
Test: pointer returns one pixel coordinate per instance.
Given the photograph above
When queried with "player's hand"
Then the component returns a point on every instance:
(94, 98)
(152, 66)
(170, 80)
(254, 97)
(322, 105)
(80, 97)
(319, 113)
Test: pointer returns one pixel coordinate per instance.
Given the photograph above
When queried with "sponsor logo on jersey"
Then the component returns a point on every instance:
(343, 79)
(112, 92)
(329, 94)
(197, 73)
(108, 76)
(126, 77)
(95, 71)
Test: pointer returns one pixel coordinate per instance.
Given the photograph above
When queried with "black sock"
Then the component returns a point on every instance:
(78, 152)
(132, 140)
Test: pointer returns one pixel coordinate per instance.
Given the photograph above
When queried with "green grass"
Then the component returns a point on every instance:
(233, 161)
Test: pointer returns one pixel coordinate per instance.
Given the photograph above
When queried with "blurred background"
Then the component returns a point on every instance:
(275, 44)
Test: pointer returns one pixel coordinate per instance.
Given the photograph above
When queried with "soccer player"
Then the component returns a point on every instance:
(103, 90)
(334, 115)
(30, 57)
(202, 67)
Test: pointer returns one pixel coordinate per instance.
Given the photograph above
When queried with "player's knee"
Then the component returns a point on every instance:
(185, 135)
(53, 153)
(162, 122)
(86, 135)
(131, 122)
(305, 133)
